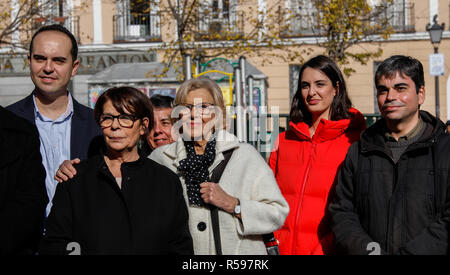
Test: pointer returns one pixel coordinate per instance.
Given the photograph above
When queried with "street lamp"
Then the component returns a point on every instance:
(435, 31)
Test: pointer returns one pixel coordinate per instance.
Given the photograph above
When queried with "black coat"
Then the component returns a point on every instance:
(23, 196)
(403, 206)
(147, 216)
(85, 136)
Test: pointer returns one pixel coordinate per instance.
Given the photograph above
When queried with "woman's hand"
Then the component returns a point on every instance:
(66, 170)
(213, 194)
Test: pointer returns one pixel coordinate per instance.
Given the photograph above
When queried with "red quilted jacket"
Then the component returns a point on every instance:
(305, 169)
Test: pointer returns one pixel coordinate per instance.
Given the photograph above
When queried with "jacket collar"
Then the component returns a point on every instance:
(64, 116)
(329, 129)
(224, 142)
(373, 138)
(28, 107)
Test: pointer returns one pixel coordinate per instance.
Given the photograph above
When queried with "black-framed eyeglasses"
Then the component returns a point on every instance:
(125, 120)
(204, 108)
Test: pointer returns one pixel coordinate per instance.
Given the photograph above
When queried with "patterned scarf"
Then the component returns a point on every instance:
(195, 169)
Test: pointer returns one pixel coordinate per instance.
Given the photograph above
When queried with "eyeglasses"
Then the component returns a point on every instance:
(125, 120)
(204, 108)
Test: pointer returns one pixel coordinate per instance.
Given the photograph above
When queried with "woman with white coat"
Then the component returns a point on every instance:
(247, 196)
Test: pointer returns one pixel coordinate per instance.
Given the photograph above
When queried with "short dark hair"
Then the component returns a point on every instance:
(340, 107)
(404, 65)
(62, 29)
(126, 98)
(161, 101)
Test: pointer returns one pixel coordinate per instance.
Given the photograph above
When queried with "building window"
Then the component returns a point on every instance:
(300, 17)
(57, 12)
(219, 19)
(400, 14)
(53, 9)
(136, 21)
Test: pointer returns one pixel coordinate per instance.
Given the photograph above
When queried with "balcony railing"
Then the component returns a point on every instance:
(72, 23)
(401, 17)
(136, 28)
(220, 26)
(298, 24)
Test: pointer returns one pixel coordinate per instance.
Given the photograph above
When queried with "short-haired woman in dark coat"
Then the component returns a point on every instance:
(119, 202)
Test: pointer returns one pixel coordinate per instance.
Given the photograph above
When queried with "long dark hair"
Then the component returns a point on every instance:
(340, 107)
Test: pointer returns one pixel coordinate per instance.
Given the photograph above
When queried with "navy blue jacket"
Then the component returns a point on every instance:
(85, 137)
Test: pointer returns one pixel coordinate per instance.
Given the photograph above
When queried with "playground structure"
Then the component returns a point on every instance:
(252, 123)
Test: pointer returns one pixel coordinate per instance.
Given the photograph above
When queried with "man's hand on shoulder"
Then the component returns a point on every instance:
(66, 170)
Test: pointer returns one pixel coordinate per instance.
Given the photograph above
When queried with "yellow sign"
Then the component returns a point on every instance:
(227, 93)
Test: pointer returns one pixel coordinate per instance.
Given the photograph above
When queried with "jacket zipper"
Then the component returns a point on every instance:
(389, 237)
(305, 178)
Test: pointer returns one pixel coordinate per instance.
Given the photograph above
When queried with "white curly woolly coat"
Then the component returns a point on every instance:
(247, 177)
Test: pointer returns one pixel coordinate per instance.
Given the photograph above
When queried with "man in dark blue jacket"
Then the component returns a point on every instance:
(67, 129)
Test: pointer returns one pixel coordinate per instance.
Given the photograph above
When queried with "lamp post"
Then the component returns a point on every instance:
(435, 32)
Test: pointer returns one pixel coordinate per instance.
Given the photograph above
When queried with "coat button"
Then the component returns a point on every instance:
(201, 226)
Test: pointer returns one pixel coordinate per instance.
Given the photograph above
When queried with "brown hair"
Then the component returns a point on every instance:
(126, 98)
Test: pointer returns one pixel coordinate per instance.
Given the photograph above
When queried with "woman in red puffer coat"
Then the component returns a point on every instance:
(307, 157)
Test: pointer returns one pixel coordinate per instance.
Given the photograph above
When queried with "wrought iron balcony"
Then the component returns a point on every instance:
(401, 17)
(136, 28)
(72, 23)
(298, 25)
(220, 25)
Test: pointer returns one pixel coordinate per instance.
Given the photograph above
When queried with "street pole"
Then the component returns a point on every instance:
(436, 91)
(251, 112)
(197, 66)
(244, 90)
(187, 67)
(435, 30)
(240, 120)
